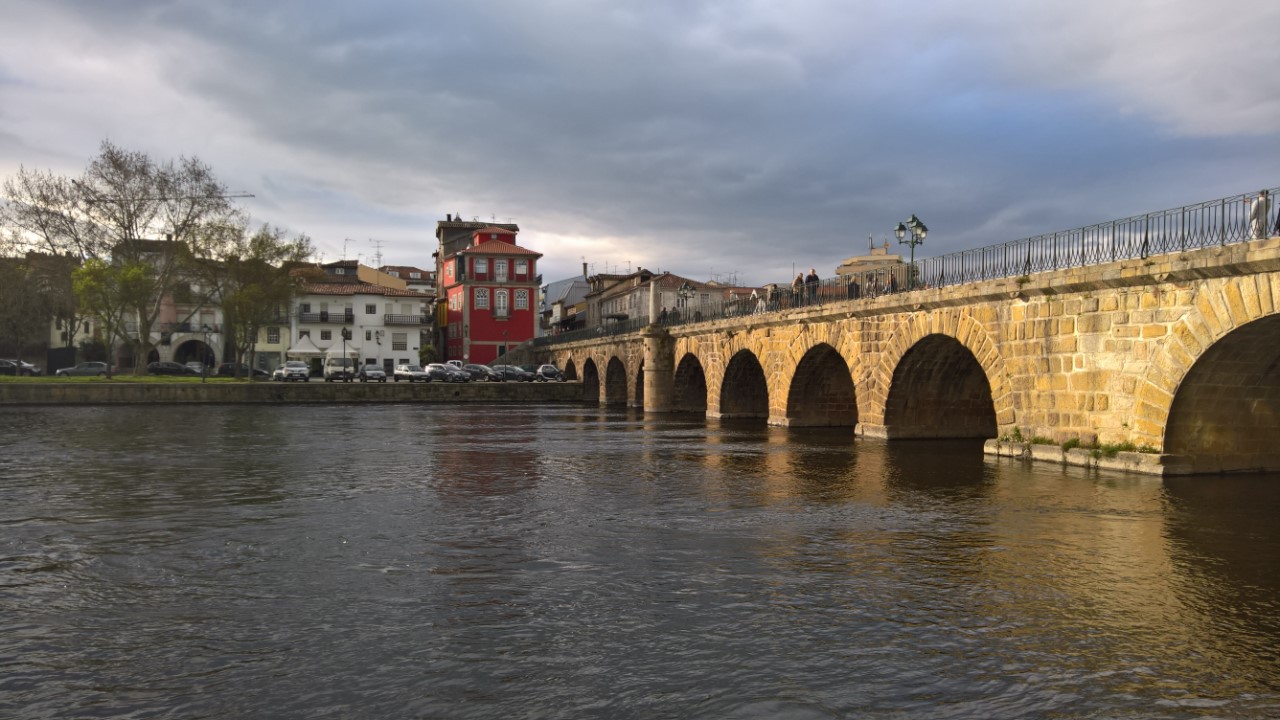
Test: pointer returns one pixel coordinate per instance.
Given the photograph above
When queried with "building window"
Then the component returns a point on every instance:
(368, 334)
(304, 308)
(339, 271)
(522, 299)
(415, 276)
(500, 270)
(273, 335)
(326, 334)
(371, 309)
(500, 307)
(399, 341)
(482, 299)
(304, 333)
(482, 266)
(394, 273)
(522, 267)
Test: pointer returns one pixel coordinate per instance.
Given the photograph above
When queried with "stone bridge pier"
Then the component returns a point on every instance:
(1170, 361)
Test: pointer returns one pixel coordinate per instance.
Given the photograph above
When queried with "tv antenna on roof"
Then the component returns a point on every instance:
(377, 257)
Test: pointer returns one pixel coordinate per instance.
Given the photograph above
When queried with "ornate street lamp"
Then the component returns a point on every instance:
(685, 292)
(918, 231)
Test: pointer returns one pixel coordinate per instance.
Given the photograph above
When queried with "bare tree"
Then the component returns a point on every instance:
(126, 210)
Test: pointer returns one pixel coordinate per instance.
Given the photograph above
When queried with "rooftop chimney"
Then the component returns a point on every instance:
(584, 271)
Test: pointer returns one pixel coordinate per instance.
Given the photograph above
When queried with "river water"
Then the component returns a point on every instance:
(405, 561)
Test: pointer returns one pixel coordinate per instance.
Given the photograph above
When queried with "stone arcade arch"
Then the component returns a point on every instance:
(570, 370)
(744, 393)
(615, 382)
(590, 382)
(690, 388)
(821, 392)
(939, 390)
(1225, 416)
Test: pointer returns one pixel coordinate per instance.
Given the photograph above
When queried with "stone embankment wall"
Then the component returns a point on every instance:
(103, 392)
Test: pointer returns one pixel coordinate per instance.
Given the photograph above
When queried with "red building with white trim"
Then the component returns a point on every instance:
(490, 289)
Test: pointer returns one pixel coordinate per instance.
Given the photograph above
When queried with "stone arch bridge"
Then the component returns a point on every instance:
(1173, 354)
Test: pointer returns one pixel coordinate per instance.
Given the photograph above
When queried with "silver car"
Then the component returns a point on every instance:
(85, 369)
(412, 373)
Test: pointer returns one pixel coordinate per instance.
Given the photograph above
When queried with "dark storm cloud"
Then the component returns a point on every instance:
(691, 136)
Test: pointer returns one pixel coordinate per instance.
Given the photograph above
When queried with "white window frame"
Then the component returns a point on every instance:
(501, 307)
(481, 299)
(500, 270)
(522, 300)
(482, 266)
(522, 267)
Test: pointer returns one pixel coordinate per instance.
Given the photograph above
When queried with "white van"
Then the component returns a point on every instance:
(337, 367)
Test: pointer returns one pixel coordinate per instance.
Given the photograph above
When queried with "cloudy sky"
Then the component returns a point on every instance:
(730, 138)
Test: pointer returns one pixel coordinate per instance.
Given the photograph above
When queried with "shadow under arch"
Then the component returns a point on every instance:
(690, 386)
(590, 382)
(570, 370)
(1225, 415)
(821, 392)
(615, 382)
(744, 393)
(939, 390)
(639, 401)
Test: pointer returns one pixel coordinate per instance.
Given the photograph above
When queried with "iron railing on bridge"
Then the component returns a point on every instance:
(1218, 222)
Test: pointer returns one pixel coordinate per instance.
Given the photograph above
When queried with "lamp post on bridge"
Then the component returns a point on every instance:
(918, 231)
(685, 292)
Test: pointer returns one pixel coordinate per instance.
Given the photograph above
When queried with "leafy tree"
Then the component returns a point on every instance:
(249, 276)
(110, 291)
(108, 215)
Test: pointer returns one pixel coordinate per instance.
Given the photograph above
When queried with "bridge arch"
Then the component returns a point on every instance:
(744, 391)
(570, 370)
(939, 390)
(1214, 386)
(972, 351)
(615, 382)
(690, 386)
(821, 392)
(590, 382)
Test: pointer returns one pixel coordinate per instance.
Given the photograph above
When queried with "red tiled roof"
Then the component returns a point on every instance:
(358, 289)
(493, 230)
(497, 247)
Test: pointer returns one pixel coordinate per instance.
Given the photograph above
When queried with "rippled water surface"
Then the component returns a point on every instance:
(514, 562)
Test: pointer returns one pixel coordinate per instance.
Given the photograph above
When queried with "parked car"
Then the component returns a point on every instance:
(197, 367)
(25, 368)
(451, 373)
(439, 372)
(511, 372)
(371, 373)
(339, 369)
(8, 367)
(242, 370)
(412, 373)
(292, 370)
(547, 373)
(90, 368)
(163, 367)
(482, 373)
